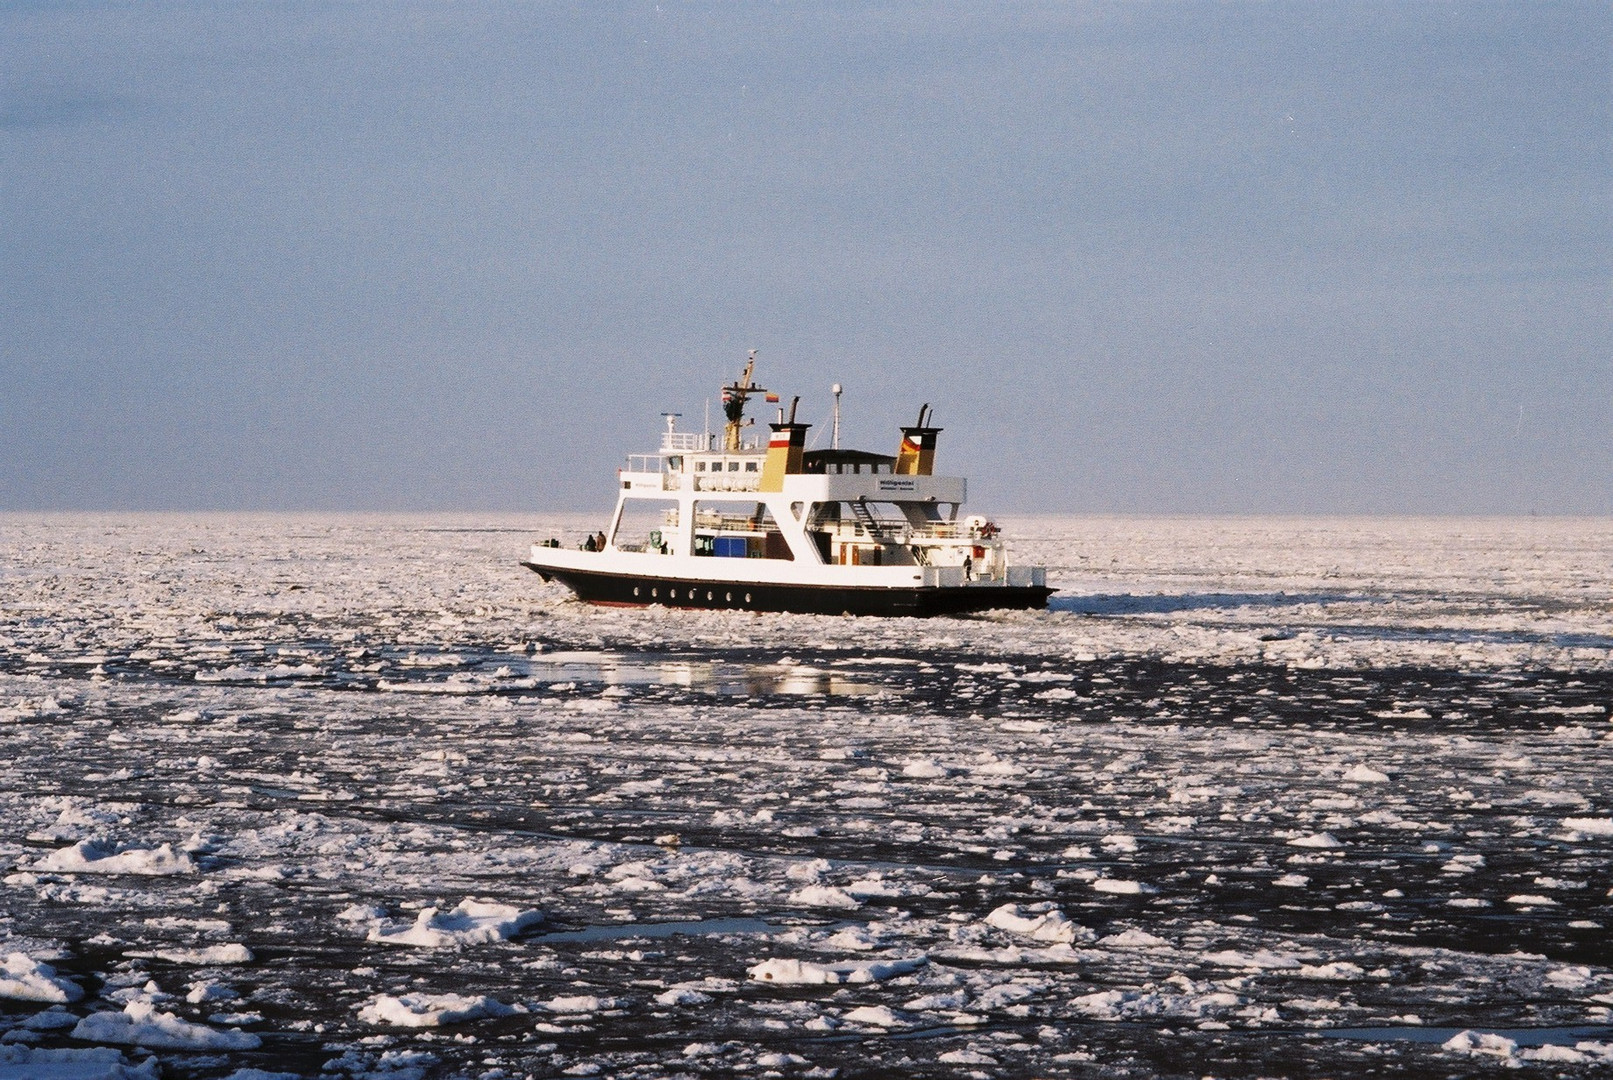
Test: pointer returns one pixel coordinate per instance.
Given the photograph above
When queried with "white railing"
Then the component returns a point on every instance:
(901, 531)
(684, 441)
(711, 519)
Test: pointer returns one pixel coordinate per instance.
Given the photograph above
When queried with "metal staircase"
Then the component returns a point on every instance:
(865, 517)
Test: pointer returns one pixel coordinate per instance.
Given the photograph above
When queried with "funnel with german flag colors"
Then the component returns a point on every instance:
(917, 454)
(784, 451)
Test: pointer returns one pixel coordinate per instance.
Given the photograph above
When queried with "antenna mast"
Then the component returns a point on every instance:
(836, 389)
(733, 403)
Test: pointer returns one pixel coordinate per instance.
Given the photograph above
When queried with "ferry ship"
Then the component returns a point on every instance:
(778, 527)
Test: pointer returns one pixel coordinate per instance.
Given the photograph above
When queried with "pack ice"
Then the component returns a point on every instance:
(358, 797)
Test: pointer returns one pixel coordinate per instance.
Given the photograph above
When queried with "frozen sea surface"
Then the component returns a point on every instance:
(359, 797)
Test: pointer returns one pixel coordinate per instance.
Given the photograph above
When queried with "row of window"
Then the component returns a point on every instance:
(754, 465)
(717, 466)
(855, 467)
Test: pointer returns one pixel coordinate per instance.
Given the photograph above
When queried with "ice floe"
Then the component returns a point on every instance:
(431, 1010)
(98, 857)
(142, 1024)
(1122, 887)
(232, 953)
(808, 973)
(470, 922)
(23, 978)
(580, 1004)
(1402, 723)
(1041, 922)
(1585, 827)
(1316, 840)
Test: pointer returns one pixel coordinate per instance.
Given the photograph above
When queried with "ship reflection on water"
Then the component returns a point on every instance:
(728, 678)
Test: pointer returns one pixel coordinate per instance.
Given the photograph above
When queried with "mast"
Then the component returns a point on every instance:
(836, 390)
(733, 403)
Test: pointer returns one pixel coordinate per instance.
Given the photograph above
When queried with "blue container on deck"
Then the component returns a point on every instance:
(730, 547)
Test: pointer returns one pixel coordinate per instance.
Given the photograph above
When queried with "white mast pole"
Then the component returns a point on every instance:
(836, 390)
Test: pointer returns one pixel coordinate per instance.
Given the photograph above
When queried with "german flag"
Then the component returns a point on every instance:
(772, 398)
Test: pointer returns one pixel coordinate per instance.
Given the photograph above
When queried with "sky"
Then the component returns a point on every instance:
(1140, 258)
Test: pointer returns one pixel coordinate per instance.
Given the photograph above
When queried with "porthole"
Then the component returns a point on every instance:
(708, 594)
(635, 590)
(747, 598)
(728, 598)
(672, 594)
(653, 593)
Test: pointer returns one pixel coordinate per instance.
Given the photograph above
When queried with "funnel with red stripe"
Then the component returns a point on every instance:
(785, 448)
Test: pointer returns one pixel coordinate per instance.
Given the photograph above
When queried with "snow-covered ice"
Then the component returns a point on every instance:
(90, 857)
(469, 922)
(355, 797)
(808, 973)
(22, 978)
(430, 1010)
(141, 1023)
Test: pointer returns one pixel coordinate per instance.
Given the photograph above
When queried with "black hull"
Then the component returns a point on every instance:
(629, 590)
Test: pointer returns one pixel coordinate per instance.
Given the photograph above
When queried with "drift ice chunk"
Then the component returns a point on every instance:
(1531, 900)
(1121, 887)
(924, 769)
(581, 1004)
(1133, 939)
(807, 973)
(471, 922)
(95, 857)
(1043, 922)
(1339, 969)
(826, 896)
(140, 1024)
(682, 995)
(233, 953)
(431, 1010)
(1471, 1042)
(23, 978)
(873, 1016)
(1316, 840)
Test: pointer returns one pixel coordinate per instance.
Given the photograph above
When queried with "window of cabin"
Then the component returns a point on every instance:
(700, 466)
(750, 466)
(733, 466)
